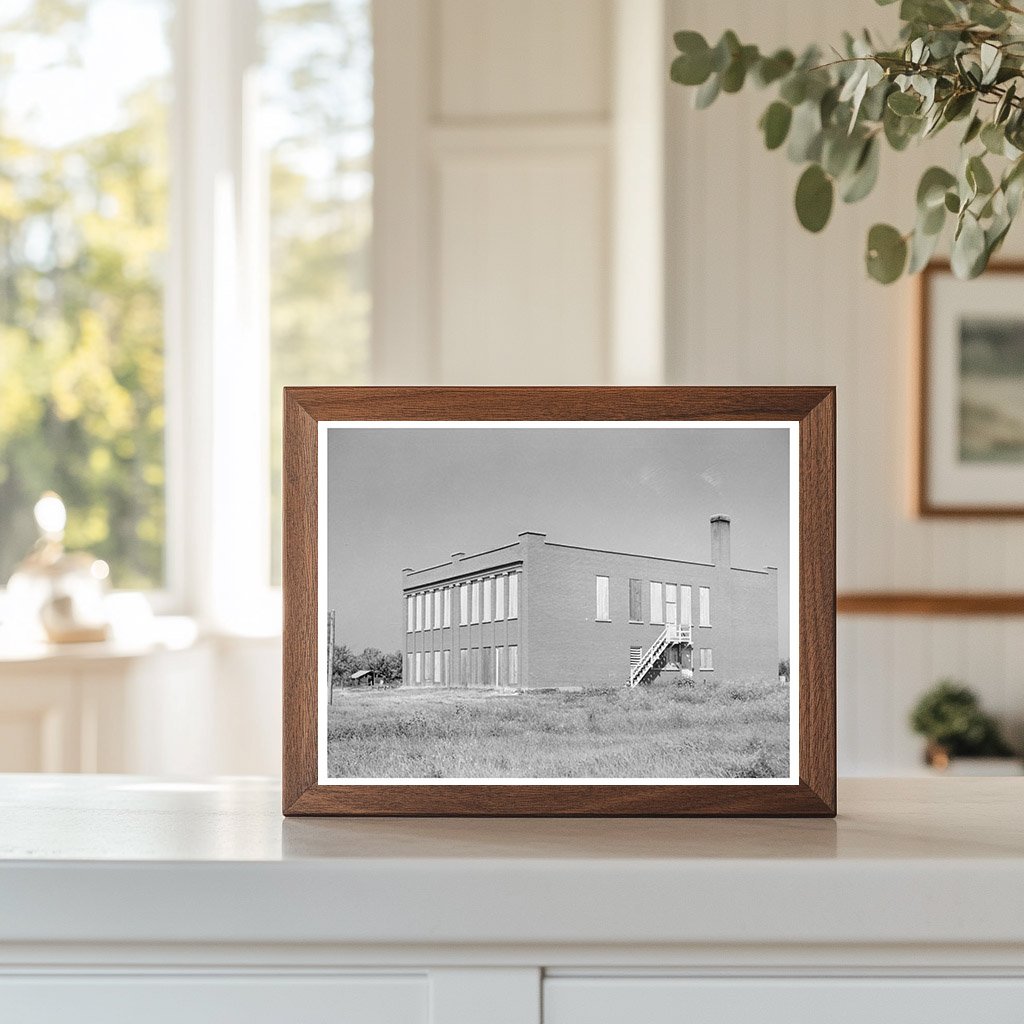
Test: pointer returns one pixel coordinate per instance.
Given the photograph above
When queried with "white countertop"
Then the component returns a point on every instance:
(122, 859)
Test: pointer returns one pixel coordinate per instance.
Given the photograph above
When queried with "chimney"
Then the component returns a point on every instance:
(720, 554)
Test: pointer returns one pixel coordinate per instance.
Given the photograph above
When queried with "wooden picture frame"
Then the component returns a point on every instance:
(947, 484)
(807, 412)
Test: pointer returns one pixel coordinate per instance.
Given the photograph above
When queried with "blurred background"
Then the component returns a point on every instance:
(202, 201)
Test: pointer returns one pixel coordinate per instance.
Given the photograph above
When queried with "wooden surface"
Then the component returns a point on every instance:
(814, 408)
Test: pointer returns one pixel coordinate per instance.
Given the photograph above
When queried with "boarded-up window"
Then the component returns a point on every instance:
(419, 611)
(670, 604)
(657, 604)
(446, 676)
(705, 606)
(706, 662)
(513, 596)
(499, 598)
(427, 604)
(428, 666)
(410, 614)
(487, 600)
(464, 604)
(685, 605)
(500, 672)
(447, 607)
(636, 611)
(475, 669)
(487, 668)
(419, 667)
(464, 667)
(602, 614)
(437, 666)
(437, 609)
(513, 665)
(474, 615)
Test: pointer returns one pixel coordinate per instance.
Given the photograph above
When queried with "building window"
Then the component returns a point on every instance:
(410, 614)
(464, 667)
(513, 597)
(427, 602)
(602, 614)
(419, 667)
(427, 665)
(437, 666)
(487, 600)
(487, 667)
(437, 609)
(446, 664)
(671, 608)
(447, 607)
(636, 611)
(635, 654)
(464, 604)
(685, 605)
(705, 606)
(513, 665)
(475, 669)
(475, 601)
(419, 612)
(500, 676)
(499, 598)
(706, 663)
(657, 604)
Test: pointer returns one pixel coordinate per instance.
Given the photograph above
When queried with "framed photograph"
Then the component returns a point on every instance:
(559, 601)
(970, 451)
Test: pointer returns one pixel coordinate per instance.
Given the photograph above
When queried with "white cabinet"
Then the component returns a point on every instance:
(126, 899)
(216, 1000)
(829, 1000)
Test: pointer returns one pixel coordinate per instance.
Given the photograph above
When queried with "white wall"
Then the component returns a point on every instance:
(754, 299)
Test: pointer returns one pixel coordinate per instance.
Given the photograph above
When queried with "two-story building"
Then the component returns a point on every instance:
(535, 613)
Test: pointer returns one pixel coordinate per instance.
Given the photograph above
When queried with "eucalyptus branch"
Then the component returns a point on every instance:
(955, 59)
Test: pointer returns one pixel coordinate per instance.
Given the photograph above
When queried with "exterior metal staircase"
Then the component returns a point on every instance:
(651, 662)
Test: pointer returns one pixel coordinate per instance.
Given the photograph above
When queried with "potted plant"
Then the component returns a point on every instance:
(956, 62)
(950, 717)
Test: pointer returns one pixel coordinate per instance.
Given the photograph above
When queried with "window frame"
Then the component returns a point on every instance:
(704, 605)
(657, 604)
(605, 593)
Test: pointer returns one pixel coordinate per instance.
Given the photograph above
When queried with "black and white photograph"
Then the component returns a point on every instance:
(541, 602)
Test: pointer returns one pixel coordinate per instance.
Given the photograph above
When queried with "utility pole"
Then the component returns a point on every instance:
(330, 657)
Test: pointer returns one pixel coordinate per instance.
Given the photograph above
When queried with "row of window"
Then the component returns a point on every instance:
(671, 604)
(479, 601)
(478, 666)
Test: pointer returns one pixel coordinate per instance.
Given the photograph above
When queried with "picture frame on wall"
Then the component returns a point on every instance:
(970, 421)
(559, 601)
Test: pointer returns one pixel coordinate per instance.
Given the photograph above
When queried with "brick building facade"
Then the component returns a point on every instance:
(534, 613)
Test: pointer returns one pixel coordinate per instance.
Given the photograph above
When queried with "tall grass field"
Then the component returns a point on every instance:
(722, 731)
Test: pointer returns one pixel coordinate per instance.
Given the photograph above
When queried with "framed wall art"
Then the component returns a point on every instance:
(970, 450)
(559, 601)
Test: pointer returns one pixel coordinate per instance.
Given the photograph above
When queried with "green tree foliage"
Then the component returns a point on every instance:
(82, 228)
(957, 61)
(387, 667)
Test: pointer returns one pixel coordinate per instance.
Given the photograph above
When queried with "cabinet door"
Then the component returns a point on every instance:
(783, 1001)
(202, 999)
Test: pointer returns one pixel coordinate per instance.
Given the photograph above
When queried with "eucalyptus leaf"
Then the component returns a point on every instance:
(865, 173)
(707, 93)
(978, 176)
(931, 190)
(922, 248)
(814, 196)
(775, 124)
(968, 247)
(886, 253)
(805, 133)
(904, 103)
(993, 138)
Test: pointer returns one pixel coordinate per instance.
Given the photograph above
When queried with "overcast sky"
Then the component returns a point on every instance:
(412, 496)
